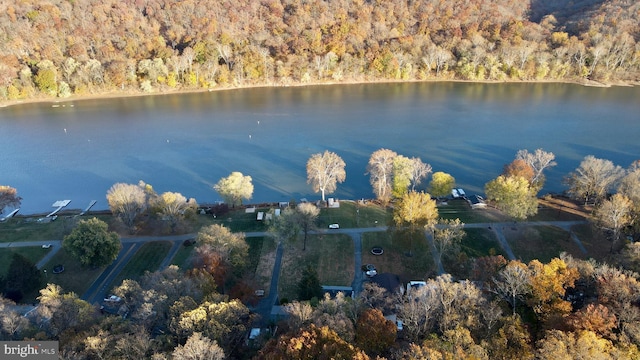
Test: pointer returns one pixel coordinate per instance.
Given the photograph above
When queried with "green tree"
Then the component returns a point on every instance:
(441, 184)
(324, 171)
(309, 284)
(60, 312)
(402, 173)
(92, 244)
(22, 278)
(8, 197)
(513, 195)
(234, 188)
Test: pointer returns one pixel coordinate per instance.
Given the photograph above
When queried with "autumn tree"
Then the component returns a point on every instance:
(593, 179)
(92, 244)
(419, 172)
(12, 323)
(60, 312)
(513, 195)
(512, 283)
(401, 175)
(198, 347)
(558, 344)
(311, 343)
(374, 333)
(174, 208)
(415, 210)
(234, 188)
(226, 322)
(549, 283)
(441, 184)
(447, 235)
(232, 247)
(127, 201)
(8, 197)
(519, 167)
(292, 221)
(380, 170)
(324, 171)
(614, 215)
(539, 160)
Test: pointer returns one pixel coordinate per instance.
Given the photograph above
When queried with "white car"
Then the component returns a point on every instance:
(334, 226)
(112, 298)
(46, 246)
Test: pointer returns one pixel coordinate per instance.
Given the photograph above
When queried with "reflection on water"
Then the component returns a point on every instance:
(186, 143)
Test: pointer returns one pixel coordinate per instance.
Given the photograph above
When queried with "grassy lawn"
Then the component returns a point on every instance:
(183, 257)
(540, 242)
(75, 277)
(395, 258)
(353, 214)
(594, 241)
(330, 254)
(262, 254)
(480, 242)
(459, 208)
(147, 258)
(33, 253)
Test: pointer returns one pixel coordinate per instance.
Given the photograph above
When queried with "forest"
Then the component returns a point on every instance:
(60, 48)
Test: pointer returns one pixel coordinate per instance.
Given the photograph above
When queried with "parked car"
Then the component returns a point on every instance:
(113, 298)
(46, 246)
(334, 226)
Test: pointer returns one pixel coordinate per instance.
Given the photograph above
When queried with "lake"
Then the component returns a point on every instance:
(185, 143)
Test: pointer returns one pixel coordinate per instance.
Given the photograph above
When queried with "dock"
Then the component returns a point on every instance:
(93, 202)
(10, 215)
(59, 205)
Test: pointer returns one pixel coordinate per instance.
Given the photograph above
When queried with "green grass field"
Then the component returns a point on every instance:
(540, 242)
(408, 257)
(75, 277)
(330, 254)
(480, 242)
(33, 253)
(147, 258)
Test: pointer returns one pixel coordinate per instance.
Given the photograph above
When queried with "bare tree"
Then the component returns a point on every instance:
(127, 201)
(593, 179)
(174, 208)
(539, 160)
(324, 171)
(380, 168)
(232, 247)
(293, 221)
(447, 235)
(234, 188)
(613, 215)
(513, 283)
(419, 171)
(198, 347)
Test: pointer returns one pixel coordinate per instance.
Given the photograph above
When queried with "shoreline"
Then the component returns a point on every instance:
(111, 94)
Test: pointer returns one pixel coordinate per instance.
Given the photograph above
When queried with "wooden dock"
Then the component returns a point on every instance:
(93, 202)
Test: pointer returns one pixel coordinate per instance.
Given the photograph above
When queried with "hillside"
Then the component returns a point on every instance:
(59, 48)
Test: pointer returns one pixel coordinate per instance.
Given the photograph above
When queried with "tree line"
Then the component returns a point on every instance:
(59, 48)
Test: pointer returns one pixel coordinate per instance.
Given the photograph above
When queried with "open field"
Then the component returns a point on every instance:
(409, 259)
(147, 258)
(540, 242)
(596, 244)
(330, 254)
(33, 253)
(459, 208)
(480, 242)
(75, 277)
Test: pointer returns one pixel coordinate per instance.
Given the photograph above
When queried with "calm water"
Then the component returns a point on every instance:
(186, 143)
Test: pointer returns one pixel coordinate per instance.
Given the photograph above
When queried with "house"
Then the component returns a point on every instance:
(476, 202)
